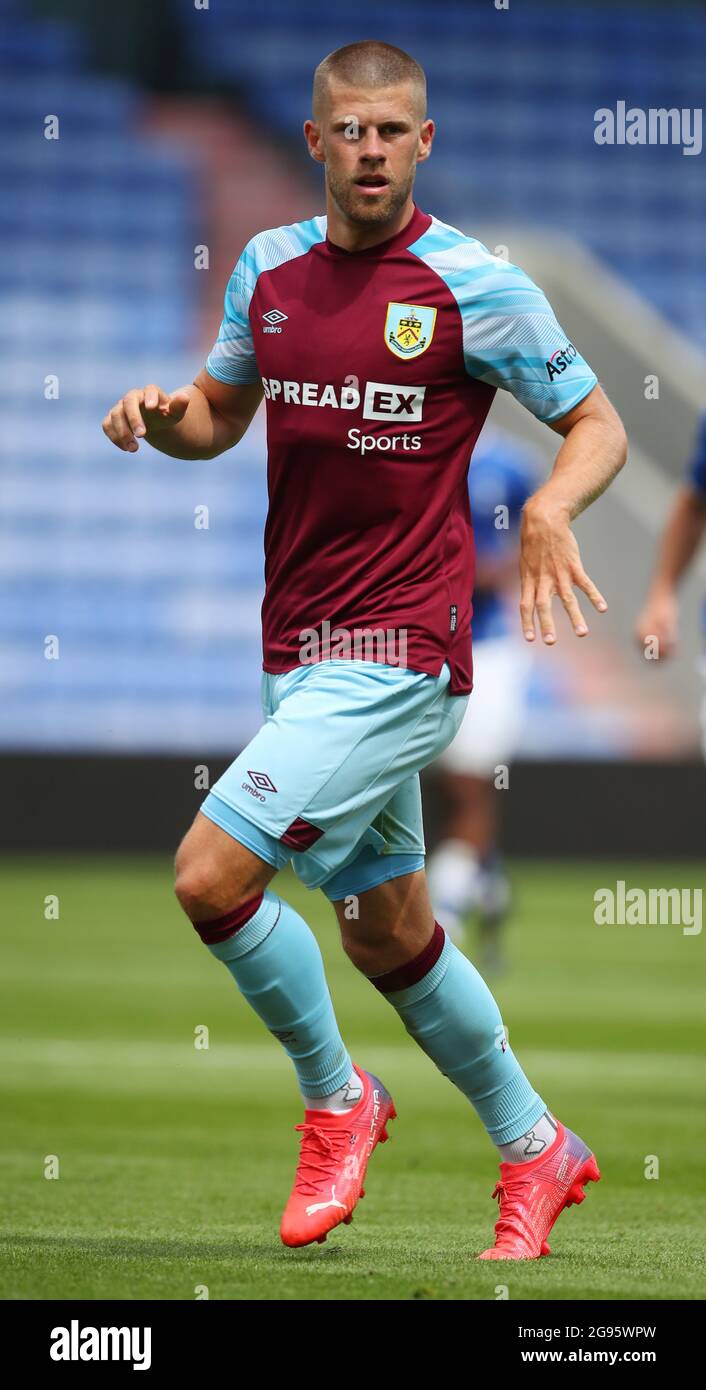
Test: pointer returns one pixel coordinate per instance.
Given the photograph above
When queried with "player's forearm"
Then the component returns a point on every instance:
(682, 537)
(201, 434)
(593, 452)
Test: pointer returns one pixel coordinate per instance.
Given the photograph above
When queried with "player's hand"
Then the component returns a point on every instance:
(659, 621)
(142, 413)
(550, 565)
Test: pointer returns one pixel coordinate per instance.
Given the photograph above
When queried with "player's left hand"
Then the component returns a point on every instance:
(550, 565)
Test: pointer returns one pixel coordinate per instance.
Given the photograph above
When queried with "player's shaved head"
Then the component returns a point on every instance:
(369, 64)
(370, 130)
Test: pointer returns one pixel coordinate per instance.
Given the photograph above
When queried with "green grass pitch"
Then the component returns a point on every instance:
(174, 1163)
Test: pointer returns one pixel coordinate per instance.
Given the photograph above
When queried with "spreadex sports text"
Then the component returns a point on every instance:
(381, 401)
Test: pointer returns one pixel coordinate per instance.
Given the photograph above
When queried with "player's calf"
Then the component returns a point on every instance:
(394, 922)
(447, 1008)
(275, 961)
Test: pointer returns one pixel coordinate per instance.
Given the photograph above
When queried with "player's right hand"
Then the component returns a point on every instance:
(145, 411)
(658, 622)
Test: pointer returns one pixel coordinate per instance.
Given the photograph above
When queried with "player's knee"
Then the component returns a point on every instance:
(207, 886)
(199, 883)
(196, 886)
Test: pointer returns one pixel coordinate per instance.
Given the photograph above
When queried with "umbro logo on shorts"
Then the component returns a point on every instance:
(262, 781)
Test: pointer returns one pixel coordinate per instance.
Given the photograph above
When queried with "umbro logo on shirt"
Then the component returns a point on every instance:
(274, 318)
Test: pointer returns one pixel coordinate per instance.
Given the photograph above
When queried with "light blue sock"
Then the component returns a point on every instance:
(276, 963)
(449, 1010)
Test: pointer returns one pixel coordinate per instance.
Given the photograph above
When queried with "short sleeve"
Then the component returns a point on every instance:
(232, 357)
(511, 339)
(696, 475)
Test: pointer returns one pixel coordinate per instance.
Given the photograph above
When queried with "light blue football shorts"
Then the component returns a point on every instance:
(331, 780)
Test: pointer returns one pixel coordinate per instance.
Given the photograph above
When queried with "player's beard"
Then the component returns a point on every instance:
(363, 211)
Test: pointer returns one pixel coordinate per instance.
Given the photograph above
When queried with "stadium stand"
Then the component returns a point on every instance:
(515, 99)
(99, 548)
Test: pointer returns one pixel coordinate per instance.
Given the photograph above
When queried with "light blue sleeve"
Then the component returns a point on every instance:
(511, 338)
(232, 357)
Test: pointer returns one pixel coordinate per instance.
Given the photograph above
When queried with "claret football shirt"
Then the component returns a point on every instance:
(379, 368)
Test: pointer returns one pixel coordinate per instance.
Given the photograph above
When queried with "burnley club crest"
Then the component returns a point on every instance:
(409, 328)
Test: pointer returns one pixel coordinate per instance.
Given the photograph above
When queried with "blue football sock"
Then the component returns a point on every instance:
(276, 963)
(448, 1009)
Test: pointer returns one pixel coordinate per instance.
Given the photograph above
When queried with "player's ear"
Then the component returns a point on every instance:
(312, 135)
(426, 136)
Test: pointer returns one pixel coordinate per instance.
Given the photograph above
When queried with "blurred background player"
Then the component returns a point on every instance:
(466, 872)
(681, 539)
